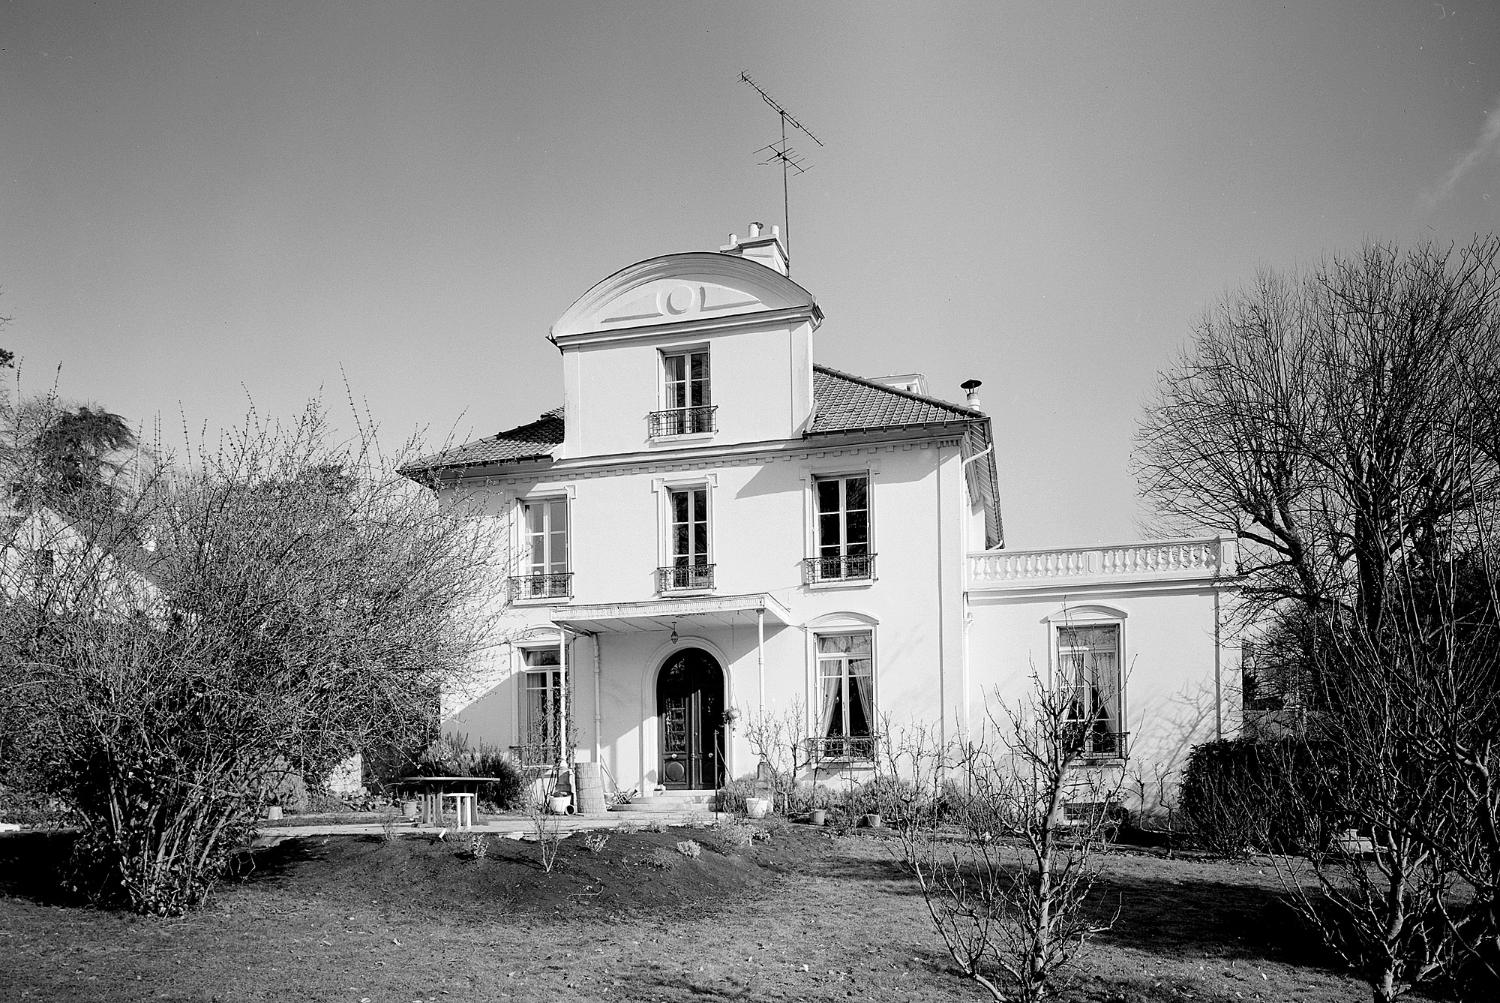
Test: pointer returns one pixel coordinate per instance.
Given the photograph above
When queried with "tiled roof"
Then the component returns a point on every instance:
(525, 442)
(850, 403)
(845, 404)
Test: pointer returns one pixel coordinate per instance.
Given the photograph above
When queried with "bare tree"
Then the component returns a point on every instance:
(1344, 424)
(1314, 417)
(273, 604)
(1009, 896)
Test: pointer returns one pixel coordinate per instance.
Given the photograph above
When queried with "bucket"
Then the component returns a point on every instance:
(589, 788)
(757, 807)
(819, 816)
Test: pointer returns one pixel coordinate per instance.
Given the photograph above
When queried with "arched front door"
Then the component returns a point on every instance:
(690, 703)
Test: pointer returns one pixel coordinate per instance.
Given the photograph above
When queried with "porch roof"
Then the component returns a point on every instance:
(697, 612)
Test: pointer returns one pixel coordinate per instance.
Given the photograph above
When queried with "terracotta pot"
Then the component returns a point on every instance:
(273, 812)
(757, 807)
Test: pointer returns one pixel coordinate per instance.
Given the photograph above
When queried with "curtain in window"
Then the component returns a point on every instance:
(847, 681)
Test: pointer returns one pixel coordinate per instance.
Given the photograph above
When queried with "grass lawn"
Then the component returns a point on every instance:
(801, 917)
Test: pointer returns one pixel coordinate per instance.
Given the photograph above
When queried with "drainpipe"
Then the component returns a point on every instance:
(1218, 671)
(942, 662)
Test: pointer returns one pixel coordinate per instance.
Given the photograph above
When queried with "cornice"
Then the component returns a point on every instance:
(717, 324)
(739, 455)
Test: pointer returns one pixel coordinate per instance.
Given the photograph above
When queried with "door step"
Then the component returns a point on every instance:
(671, 801)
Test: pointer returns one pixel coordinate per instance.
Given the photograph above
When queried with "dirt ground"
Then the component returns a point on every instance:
(801, 917)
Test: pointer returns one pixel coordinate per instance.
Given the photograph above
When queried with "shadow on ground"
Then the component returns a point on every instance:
(33, 866)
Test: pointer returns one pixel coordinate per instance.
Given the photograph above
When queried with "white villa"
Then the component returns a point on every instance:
(713, 520)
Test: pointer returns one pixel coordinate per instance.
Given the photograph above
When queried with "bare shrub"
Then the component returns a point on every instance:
(690, 848)
(546, 830)
(1008, 897)
(779, 741)
(268, 606)
(596, 841)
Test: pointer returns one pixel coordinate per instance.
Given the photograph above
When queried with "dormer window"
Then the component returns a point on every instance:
(687, 401)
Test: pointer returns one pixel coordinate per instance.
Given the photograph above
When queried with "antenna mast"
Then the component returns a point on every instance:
(789, 159)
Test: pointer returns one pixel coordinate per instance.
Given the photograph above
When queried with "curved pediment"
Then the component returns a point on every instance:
(680, 287)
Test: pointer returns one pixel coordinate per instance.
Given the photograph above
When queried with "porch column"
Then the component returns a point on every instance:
(760, 654)
(562, 700)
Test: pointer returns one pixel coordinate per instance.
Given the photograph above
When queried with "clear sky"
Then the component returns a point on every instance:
(203, 200)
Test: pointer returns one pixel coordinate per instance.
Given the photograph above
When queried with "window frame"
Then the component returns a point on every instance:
(821, 733)
(553, 688)
(705, 424)
(525, 573)
(667, 556)
(813, 575)
(1094, 618)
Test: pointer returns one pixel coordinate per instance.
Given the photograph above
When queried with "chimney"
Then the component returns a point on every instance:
(759, 246)
(971, 394)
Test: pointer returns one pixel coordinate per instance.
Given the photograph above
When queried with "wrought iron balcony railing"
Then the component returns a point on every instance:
(842, 568)
(558, 586)
(683, 421)
(858, 748)
(1085, 742)
(688, 576)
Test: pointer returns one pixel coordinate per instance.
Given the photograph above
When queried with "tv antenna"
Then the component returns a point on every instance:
(780, 152)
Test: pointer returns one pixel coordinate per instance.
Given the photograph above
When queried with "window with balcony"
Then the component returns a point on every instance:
(545, 551)
(686, 398)
(843, 530)
(1088, 659)
(690, 565)
(541, 707)
(846, 696)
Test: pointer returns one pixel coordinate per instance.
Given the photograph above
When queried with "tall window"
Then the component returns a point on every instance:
(686, 397)
(691, 565)
(541, 706)
(846, 694)
(843, 528)
(546, 550)
(1089, 671)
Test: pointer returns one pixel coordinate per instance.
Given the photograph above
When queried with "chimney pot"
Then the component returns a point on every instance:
(971, 392)
(754, 231)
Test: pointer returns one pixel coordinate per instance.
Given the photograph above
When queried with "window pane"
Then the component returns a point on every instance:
(856, 493)
(559, 515)
(833, 643)
(680, 503)
(541, 656)
(828, 531)
(859, 645)
(828, 496)
(534, 516)
(674, 366)
(700, 540)
(680, 539)
(857, 525)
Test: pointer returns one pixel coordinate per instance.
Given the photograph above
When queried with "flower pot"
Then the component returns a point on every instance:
(873, 821)
(561, 804)
(409, 808)
(273, 812)
(819, 816)
(757, 807)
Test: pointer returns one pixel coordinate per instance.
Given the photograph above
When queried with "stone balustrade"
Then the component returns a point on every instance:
(1170, 560)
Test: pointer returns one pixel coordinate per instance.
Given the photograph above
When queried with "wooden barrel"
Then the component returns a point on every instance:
(588, 788)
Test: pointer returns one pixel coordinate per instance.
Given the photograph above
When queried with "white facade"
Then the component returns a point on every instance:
(714, 522)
